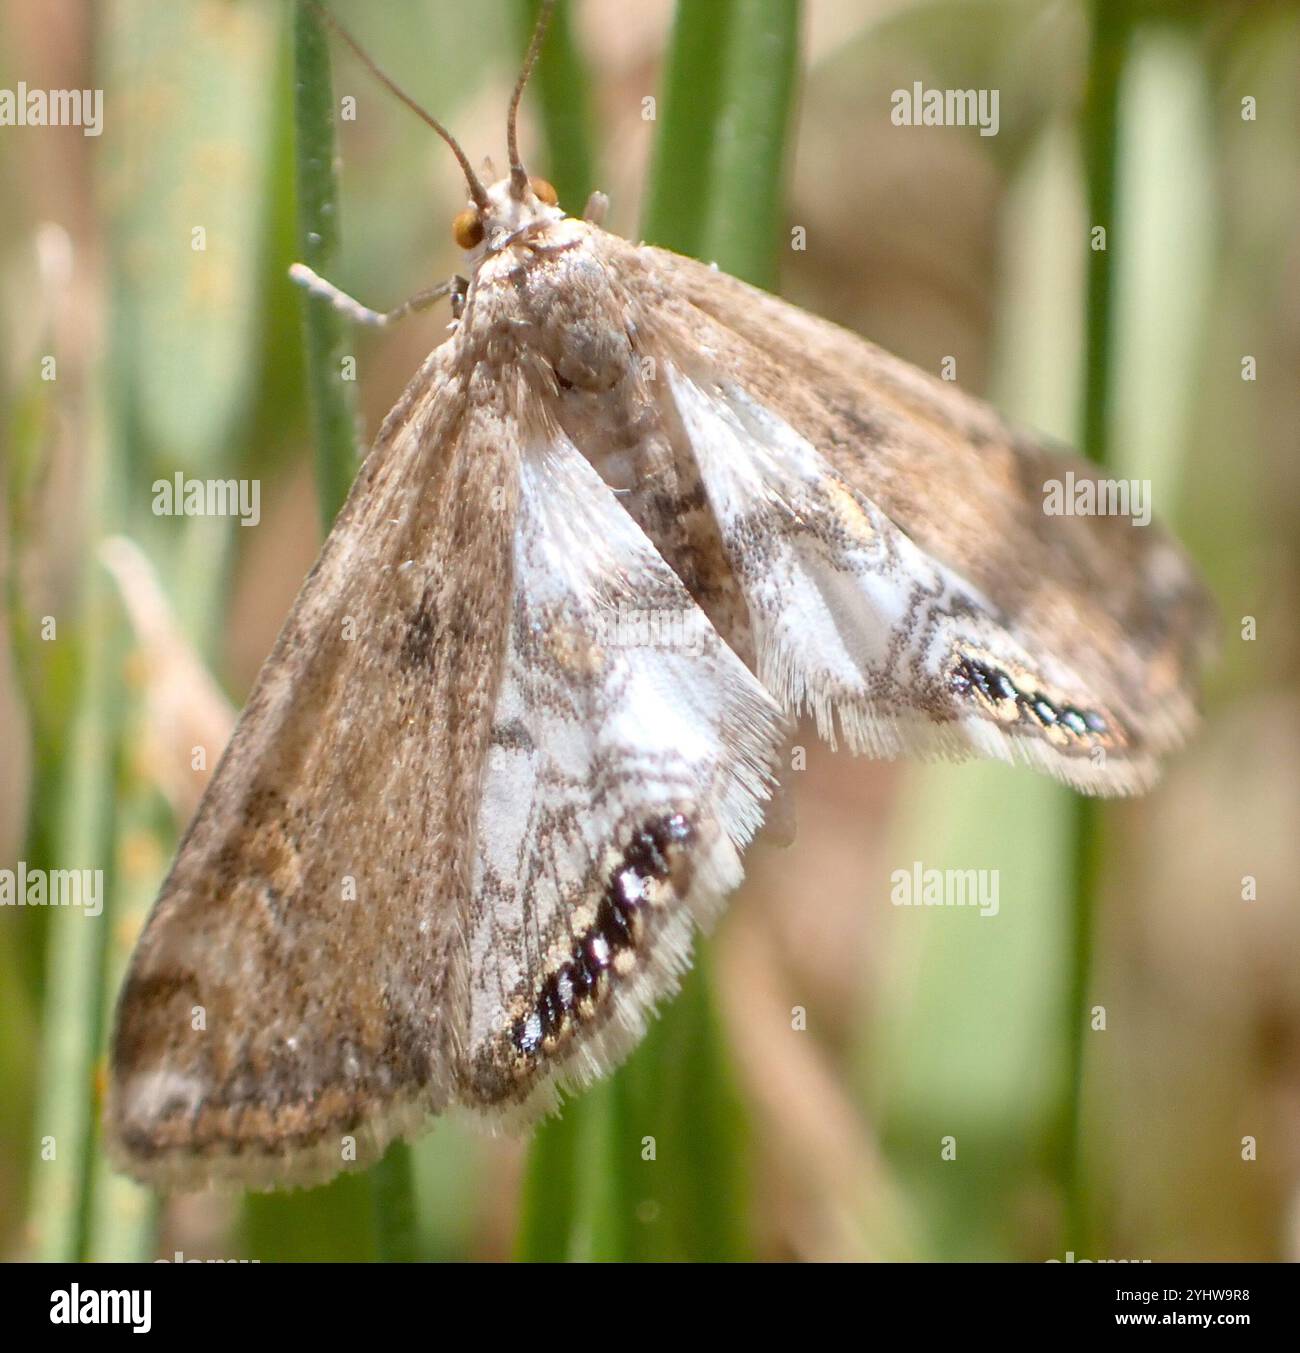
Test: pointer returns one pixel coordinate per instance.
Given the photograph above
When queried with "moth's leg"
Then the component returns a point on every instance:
(354, 310)
(597, 206)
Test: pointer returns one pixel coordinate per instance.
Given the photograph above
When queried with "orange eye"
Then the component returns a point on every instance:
(545, 192)
(467, 229)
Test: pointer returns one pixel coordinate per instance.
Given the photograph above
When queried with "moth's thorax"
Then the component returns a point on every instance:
(553, 318)
(546, 307)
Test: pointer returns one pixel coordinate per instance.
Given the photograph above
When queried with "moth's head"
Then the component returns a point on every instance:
(505, 210)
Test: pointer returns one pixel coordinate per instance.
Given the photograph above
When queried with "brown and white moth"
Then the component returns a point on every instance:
(481, 794)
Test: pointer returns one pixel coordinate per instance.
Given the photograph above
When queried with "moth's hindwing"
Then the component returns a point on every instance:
(629, 756)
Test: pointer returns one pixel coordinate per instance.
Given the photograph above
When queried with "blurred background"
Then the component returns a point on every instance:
(841, 1078)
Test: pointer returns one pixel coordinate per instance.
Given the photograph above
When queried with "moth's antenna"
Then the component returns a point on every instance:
(476, 189)
(518, 174)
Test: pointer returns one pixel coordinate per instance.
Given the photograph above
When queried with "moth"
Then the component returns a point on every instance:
(625, 524)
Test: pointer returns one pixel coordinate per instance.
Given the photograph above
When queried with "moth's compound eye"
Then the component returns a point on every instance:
(467, 229)
(545, 192)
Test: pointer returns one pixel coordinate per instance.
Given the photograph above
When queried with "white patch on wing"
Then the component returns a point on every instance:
(619, 706)
(856, 624)
(156, 1092)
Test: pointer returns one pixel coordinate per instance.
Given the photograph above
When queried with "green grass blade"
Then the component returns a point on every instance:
(123, 1214)
(549, 1203)
(689, 1200)
(329, 396)
(334, 1224)
(64, 1119)
(688, 112)
(746, 189)
(1112, 28)
(393, 1195)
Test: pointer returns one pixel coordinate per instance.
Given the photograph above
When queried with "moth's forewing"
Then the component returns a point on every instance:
(298, 996)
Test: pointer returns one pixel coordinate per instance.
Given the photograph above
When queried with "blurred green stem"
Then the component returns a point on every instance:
(60, 1196)
(1112, 25)
(328, 394)
(393, 1193)
(746, 189)
(122, 1226)
(688, 114)
(561, 89)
